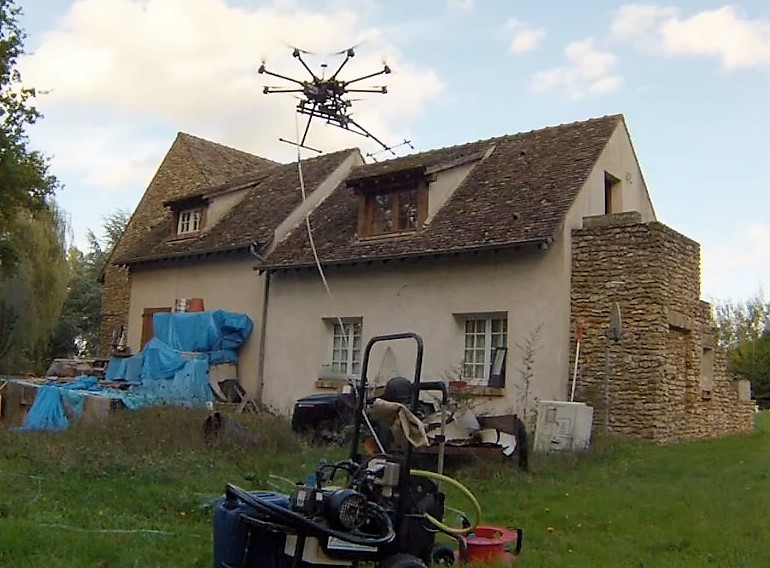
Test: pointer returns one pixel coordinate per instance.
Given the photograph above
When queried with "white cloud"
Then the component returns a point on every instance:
(589, 72)
(461, 5)
(526, 38)
(738, 263)
(723, 33)
(192, 65)
(637, 21)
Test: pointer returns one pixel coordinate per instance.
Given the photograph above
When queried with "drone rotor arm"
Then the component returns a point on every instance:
(380, 90)
(378, 73)
(271, 90)
(284, 77)
(305, 65)
(348, 56)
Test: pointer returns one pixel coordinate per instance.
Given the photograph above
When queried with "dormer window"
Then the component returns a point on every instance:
(392, 204)
(393, 211)
(189, 221)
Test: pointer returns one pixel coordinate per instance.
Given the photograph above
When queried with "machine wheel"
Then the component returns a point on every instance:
(402, 561)
(443, 555)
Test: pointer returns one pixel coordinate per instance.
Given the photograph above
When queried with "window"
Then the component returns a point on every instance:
(346, 347)
(707, 372)
(393, 211)
(483, 335)
(611, 194)
(189, 221)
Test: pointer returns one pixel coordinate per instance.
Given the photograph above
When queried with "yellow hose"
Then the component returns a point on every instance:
(460, 487)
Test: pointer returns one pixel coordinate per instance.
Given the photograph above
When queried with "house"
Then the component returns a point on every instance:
(492, 251)
(468, 246)
(206, 217)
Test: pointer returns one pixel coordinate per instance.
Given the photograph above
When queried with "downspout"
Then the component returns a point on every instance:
(262, 338)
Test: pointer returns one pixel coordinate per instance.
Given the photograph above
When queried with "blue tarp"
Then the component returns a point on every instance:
(202, 331)
(214, 335)
(47, 412)
(172, 368)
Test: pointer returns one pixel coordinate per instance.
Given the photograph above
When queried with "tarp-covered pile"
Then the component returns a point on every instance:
(173, 368)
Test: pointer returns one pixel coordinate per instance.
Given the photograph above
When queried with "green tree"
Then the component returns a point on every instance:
(77, 331)
(744, 331)
(24, 177)
(32, 297)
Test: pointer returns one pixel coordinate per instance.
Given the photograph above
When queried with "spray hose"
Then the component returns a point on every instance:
(462, 489)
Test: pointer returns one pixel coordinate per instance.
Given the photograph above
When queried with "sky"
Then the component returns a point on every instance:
(692, 79)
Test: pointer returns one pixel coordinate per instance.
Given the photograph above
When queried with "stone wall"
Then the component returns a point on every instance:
(667, 378)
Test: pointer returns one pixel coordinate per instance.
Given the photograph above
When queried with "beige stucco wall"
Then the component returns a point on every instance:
(420, 297)
(444, 186)
(231, 285)
(221, 204)
(619, 160)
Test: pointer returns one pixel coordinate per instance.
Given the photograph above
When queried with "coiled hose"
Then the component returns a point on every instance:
(460, 487)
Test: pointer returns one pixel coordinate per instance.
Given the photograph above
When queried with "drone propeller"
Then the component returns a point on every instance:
(350, 51)
(295, 51)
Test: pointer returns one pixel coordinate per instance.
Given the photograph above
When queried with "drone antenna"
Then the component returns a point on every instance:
(300, 145)
(373, 155)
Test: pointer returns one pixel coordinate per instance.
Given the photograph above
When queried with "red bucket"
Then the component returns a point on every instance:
(487, 545)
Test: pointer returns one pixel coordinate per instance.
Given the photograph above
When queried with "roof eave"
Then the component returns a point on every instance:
(536, 243)
(189, 254)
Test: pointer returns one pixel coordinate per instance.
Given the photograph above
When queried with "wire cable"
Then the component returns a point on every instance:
(321, 272)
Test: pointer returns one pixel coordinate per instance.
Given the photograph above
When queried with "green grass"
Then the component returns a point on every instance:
(620, 504)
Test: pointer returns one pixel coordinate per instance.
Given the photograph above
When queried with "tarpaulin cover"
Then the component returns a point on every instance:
(202, 331)
(47, 412)
(172, 368)
(125, 368)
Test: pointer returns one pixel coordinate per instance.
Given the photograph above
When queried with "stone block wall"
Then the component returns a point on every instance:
(668, 380)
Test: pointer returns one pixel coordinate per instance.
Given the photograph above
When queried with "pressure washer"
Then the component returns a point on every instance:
(385, 511)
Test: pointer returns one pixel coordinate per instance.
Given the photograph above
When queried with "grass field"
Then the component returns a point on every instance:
(136, 493)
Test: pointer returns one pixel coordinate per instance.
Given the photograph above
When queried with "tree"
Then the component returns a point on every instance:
(32, 297)
(744, 331)
(24, 177)
(77, 332)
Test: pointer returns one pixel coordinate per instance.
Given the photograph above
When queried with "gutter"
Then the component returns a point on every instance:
(262, 340)
(541, 243)
(187, 254)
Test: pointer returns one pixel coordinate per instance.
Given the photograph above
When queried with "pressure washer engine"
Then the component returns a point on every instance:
(382, 510)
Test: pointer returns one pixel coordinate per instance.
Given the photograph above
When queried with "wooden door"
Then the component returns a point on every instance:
(147, 329)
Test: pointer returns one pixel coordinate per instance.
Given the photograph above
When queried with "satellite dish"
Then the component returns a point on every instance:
(616, 323)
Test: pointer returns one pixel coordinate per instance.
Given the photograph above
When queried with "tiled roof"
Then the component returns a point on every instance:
(220, 164)
(271, 195)
(519, 194)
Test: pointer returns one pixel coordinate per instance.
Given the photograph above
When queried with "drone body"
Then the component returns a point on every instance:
(326, 97)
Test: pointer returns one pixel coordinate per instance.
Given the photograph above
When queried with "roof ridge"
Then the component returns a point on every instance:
(186, 137)
(497, 138)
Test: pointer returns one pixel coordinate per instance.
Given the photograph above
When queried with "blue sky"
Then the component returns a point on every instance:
(692, 79)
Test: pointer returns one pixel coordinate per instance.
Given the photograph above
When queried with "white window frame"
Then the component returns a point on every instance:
(189, 221)
(346, 346)
(482, 334)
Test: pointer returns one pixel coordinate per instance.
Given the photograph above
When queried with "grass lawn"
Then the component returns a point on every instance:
(65, 498)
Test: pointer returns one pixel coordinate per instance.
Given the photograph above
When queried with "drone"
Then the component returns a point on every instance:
(325, 98)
